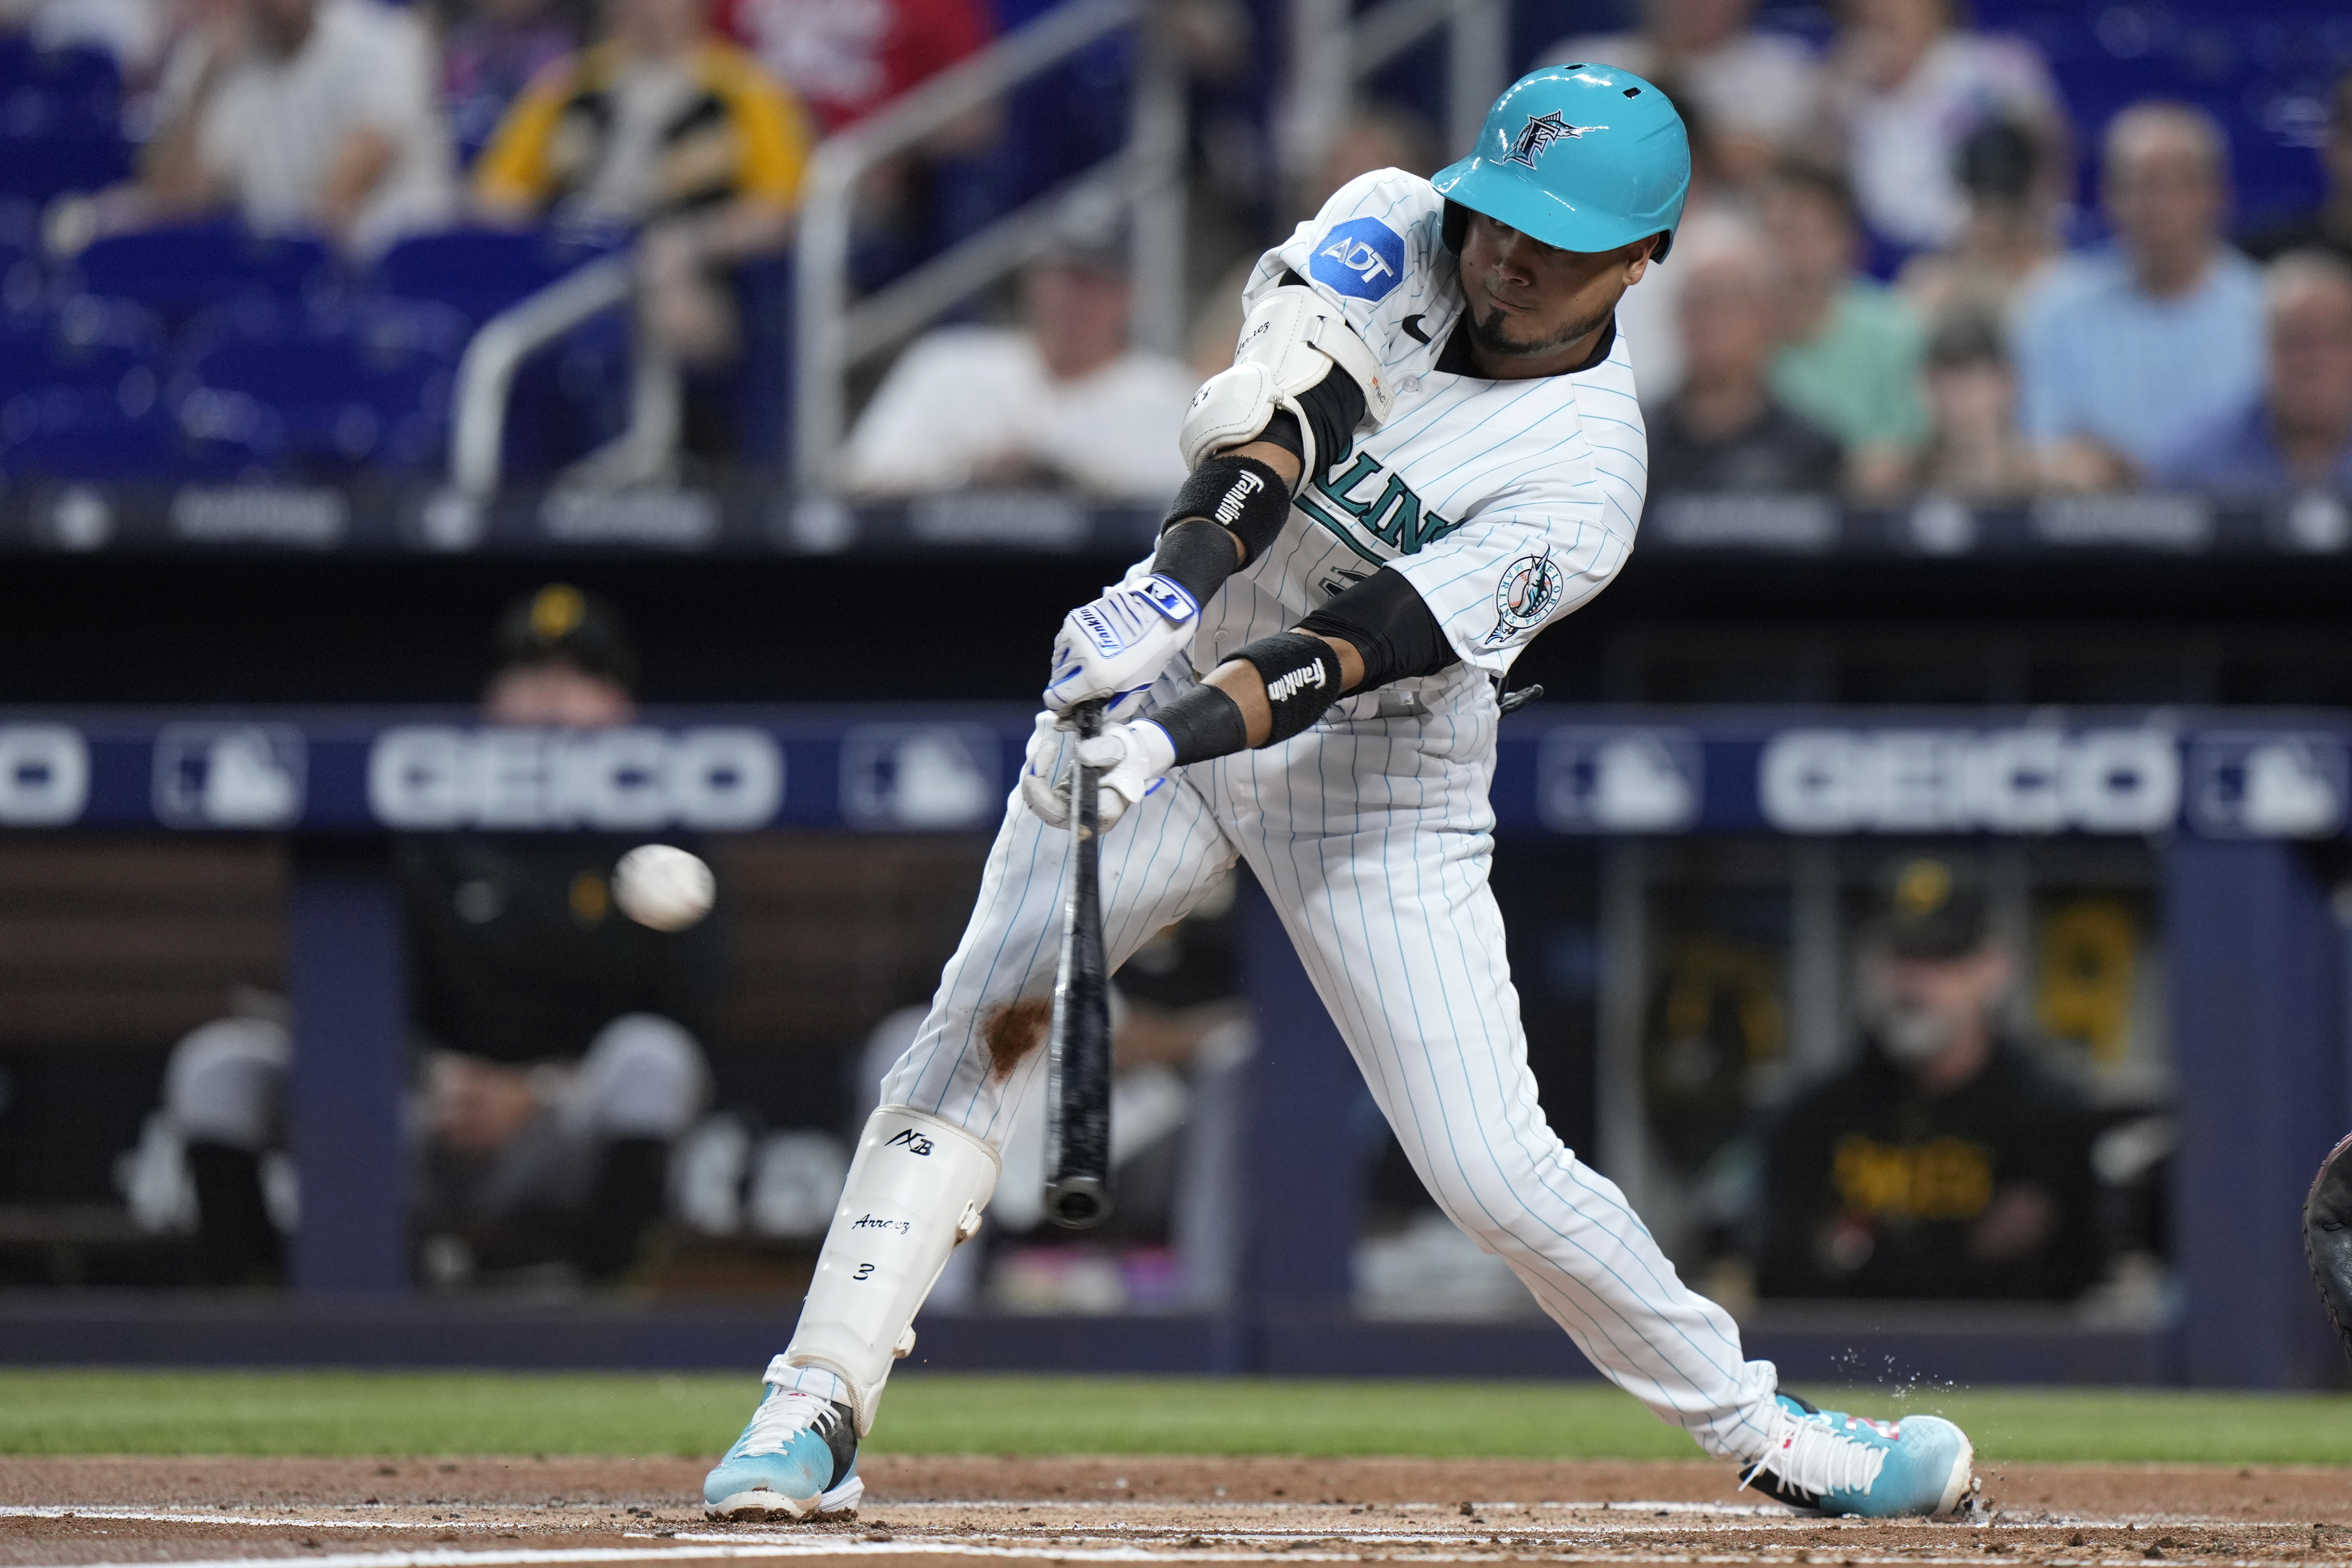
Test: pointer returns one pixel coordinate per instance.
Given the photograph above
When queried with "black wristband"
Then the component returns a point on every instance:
(1241, 494)
(1203, 723)
(1302, 678)
(1198, 553)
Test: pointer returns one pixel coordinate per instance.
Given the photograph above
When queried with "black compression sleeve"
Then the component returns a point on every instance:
(1203, 723)
(1198, 553)
(1390, 625)
(1335, 405)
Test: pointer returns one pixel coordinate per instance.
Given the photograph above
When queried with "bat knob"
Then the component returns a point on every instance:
(1077, 1203)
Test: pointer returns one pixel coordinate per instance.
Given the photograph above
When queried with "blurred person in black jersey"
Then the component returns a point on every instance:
(1946, 1162)
(558, 1051)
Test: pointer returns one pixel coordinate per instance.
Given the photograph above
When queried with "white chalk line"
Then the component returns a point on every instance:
(705, 1552)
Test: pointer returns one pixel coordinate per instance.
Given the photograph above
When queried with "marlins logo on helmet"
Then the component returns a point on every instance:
(1539, 132)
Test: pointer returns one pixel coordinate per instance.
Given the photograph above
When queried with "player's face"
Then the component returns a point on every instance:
(553, 694)
(2311, 359)
(1533, 308)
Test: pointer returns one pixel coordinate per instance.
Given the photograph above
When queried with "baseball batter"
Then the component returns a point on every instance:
(1427, 449)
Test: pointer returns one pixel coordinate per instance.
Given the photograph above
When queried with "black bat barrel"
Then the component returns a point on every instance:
(1078, 1101)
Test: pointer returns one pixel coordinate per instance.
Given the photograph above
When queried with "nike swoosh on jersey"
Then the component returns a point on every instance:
(1412, 325)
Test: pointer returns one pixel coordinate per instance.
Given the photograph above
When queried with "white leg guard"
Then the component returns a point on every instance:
(915, 1192)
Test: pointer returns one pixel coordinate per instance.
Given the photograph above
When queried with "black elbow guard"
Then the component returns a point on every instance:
(1302, 678)
(1238, 493)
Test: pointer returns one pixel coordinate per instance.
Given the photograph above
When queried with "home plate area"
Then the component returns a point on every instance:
(458, 1513)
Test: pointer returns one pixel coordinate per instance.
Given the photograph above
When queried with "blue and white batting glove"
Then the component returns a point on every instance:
(1113, 649)
(1133, 761)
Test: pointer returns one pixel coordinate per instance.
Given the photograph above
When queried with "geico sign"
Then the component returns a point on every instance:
(44, 775)
(2002, 781)
(429, 777)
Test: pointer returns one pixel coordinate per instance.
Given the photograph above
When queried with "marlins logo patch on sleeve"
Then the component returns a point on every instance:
(1363, 258)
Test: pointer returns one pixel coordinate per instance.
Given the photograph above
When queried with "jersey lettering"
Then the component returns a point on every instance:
(1392, 515)
(1362, 257)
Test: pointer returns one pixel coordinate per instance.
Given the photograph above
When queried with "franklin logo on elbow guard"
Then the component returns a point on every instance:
(1283, 688)
(1245, 486)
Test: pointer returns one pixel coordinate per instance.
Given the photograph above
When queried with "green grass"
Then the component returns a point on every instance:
(455, 1412)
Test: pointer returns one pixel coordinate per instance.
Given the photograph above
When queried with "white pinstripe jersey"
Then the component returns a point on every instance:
(1506, 503)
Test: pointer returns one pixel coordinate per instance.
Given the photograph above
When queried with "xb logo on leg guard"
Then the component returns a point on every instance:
(913, 1141)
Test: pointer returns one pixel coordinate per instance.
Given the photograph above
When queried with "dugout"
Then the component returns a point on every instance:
(2092, 721)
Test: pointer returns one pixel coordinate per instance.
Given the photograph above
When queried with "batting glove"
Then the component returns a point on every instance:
(1112, 650)
(1131, 760)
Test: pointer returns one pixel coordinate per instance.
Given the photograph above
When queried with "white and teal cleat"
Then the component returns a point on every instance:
(1919, 1466)
(797, 1457)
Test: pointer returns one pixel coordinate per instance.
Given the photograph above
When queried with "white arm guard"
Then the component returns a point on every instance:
(1288, 344)
(915, 1192)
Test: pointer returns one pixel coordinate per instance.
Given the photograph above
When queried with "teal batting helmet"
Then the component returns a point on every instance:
(1582, 157)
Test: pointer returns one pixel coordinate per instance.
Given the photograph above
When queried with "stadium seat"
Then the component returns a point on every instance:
(181, 270)
(60, 121)
(321, 391)
(481, 271)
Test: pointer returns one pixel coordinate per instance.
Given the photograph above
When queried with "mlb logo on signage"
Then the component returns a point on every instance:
(1620, 780)
(2279, 785)
(228, 776)
(920, 776)
(1363, 258)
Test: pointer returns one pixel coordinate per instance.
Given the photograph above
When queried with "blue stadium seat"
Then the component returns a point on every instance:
(322, 391)
(481, 271)
(60, 121)
(181, 270)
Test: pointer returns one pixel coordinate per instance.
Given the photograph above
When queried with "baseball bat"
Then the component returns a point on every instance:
(1077, 1101)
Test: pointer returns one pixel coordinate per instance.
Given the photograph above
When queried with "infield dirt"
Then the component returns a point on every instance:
(404, 1513)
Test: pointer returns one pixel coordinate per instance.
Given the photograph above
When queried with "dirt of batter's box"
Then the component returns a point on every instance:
(2305, 1494)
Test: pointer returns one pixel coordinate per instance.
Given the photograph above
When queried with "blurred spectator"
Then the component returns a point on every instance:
(2123, 352)
(846, 58)
(305, 116)
(2329, 225)
(1850, 356)
(2008, 238)
(1905, 88)
(1061, 401)
(1724, 430)
(1649, 315)
(1374, 136)
(1945, 1162)
(667, 126)
(1757, 90)
(2299, 433)
(489, 56)
(1975, 453)
(557, 1042)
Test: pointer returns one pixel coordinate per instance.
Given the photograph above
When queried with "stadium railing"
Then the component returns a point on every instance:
(831, 334)
(2239, 807)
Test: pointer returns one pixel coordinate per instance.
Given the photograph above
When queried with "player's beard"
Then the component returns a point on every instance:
(1489, 337)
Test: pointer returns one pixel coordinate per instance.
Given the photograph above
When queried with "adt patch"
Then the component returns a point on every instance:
(1363, 256)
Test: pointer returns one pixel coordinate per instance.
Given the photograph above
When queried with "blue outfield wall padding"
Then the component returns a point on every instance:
(347, 976)
(2259, 1044)
(1305, 1174)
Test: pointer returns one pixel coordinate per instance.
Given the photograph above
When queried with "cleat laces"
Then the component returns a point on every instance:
(1816, 1458)
(784, 1416)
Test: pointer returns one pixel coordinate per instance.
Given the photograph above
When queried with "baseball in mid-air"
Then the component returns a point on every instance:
(664, 887)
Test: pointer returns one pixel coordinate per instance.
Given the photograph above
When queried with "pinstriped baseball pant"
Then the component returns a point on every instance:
(1372, 837)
